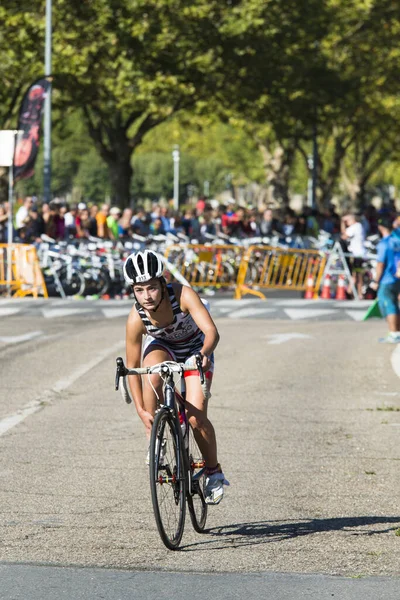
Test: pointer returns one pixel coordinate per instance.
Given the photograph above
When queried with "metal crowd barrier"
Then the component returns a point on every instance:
(206, 266)
(20, 273)
(267, 267)
(247, 271)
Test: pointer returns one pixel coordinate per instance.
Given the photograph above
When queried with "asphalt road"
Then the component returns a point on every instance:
(307, 418)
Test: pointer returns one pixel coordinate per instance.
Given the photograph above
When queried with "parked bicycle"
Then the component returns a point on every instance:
(177, 468)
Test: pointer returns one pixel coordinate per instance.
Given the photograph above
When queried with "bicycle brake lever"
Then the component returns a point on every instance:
(199, 364)
(121, 371)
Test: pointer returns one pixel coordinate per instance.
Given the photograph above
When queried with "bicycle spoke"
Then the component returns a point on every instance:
(196, 502)
(168, 485)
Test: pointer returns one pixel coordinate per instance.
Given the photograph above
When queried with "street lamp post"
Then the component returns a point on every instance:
(47, 108)
(7, 145)
(312, 162)
(176, 159)
(315, 167)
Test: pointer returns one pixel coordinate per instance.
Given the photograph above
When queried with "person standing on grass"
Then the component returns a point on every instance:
(387, 279)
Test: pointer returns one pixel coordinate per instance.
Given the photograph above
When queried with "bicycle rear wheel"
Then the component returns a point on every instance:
(72, 284)
(167, 479)
(195, 497)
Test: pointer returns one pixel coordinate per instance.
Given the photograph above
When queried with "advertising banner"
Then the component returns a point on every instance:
(28, 137)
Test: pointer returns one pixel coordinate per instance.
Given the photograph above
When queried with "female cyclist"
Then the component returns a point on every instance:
(177, 326)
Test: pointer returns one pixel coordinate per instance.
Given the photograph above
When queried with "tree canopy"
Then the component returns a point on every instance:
(273, 72)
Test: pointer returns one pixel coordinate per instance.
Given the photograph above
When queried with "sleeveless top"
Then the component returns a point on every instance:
(182, 335)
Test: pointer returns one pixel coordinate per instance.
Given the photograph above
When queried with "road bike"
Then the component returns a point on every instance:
(177, 467)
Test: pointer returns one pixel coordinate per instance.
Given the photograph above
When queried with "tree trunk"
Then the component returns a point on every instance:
(369, 156)
(120, 178)
(277, 164)
(361, 198)
(328, 173)
(3, 185)
(351, 186)
(116, 149)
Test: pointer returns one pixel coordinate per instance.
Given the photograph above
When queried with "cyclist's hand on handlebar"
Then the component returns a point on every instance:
(206, 363)
(147, 419)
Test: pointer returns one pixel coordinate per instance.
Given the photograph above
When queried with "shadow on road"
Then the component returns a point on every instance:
(247, 534)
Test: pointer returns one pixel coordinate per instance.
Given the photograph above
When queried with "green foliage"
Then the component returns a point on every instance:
(21, 51)
(92, 182)
(268, 70)
(219, 150)
(210, 151)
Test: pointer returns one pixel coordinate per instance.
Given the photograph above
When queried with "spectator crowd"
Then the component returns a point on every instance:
(62, 221)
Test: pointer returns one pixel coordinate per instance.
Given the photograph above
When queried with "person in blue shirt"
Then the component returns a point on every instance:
(387, 279)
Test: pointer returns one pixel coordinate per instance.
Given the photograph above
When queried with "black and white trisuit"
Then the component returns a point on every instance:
(181, 339)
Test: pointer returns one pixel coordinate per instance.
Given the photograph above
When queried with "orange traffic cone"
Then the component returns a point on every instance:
(326, 288)
(341, 288)
(309, 295)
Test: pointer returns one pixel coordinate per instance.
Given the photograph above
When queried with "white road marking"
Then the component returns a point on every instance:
(48, 395)
(236, 303)
(53, 313)
(300, 302)
(281, 338)
(61, 303)
(222, 310)
(307, 313)
(395, 360)
(249, 312)
(112, 313)
(27, 300)
(357, 315)
(16, 339)
(365, 304)
(5, 312)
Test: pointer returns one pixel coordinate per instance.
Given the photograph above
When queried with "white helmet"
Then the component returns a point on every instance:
(140, 267)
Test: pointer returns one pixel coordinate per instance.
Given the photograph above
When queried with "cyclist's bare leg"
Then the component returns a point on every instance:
(149, 397)
(204, 432)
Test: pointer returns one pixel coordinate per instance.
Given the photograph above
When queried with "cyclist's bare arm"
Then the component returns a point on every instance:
(190, 302)
(134, 333)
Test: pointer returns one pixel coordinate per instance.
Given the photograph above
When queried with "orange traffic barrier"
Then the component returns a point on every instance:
(309, 295)
(206, 266)
(326, 288)
(268, 267)
(341, 288)
(20, 273)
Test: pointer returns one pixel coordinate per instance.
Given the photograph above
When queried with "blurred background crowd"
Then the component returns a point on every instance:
(201, 222)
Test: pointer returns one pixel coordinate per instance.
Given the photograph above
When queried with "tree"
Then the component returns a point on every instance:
(284, 82)
(130, 65)
(213, 150)
(21, 51)
(362, 48)
(21, 33)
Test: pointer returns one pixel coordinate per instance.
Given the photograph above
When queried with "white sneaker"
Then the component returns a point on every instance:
(214, 490)
(391, 338)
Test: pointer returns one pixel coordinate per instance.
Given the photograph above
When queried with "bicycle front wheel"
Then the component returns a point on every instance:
(195, 497)
(167, 479)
